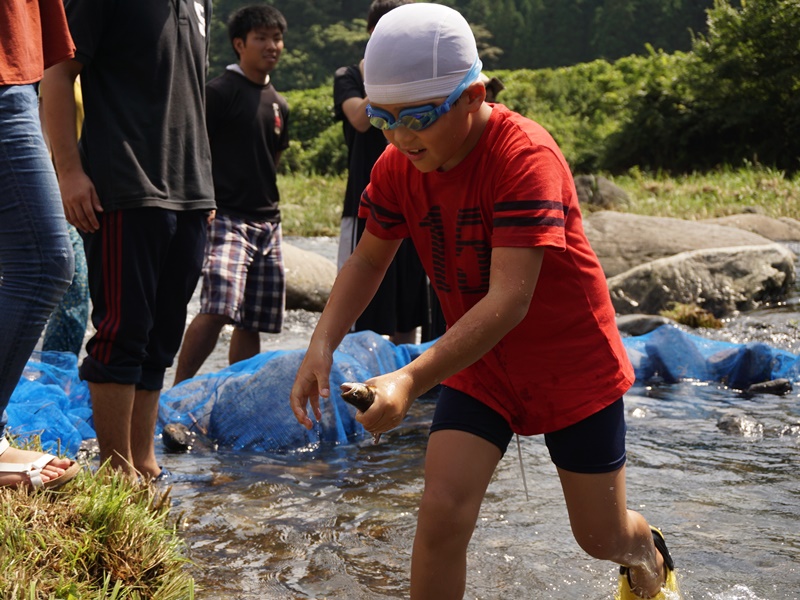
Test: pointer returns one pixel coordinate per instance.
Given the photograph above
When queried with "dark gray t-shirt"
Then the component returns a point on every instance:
(144, 140)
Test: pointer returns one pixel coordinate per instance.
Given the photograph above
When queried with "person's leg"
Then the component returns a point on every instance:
(467, 441)
(380, 315)
(264, 302)
(126, 260)
(112, 411)
(590, 457)
(35, 252)
(143, 426)
(66, 328)
(244, 344)
(178, 273)
(199, 342)
(227, 254)
(607, 530)
(458, 468)
(124, 420)
(404, 337)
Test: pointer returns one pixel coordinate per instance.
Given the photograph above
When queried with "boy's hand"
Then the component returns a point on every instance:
(392, 401)
(310, 383)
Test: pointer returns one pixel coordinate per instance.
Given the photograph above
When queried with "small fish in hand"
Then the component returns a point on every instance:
(361, 396)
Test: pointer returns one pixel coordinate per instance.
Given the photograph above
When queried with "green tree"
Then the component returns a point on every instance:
(511, 34)
(735, 98)
(747, 80)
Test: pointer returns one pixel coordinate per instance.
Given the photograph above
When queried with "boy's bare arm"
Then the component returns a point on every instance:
(58, 101)
(352, 291)
(513, 277)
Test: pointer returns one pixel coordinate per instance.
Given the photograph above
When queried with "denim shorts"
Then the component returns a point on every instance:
(594, 445)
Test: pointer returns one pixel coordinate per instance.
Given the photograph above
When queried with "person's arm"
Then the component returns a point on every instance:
(355, 110)
(78, 194)
(512, 281)
(352, 291)
(347, 90)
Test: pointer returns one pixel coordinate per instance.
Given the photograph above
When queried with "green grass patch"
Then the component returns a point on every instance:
(311, 205)
(100, 536)
(718, 193)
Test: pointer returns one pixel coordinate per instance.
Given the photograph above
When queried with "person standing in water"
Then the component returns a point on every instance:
(138, 186)
(401, 304)
(532, 345)
(36, 259)
(243, 274)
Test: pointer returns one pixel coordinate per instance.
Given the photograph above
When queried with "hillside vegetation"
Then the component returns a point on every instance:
(324, 35)
(734, 99)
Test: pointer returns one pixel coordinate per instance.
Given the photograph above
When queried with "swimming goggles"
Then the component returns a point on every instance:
(420, 117)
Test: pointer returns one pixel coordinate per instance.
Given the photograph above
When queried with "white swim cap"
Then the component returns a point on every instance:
(417, 52)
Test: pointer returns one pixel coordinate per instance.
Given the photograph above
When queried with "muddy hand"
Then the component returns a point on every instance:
(361, 396)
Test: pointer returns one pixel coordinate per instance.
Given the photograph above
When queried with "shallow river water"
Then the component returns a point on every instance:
(338, 522)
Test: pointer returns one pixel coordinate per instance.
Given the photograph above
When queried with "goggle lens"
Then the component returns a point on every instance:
(420, 117)
(414, 119)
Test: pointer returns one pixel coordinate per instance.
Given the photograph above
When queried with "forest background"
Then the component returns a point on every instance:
(633, 89)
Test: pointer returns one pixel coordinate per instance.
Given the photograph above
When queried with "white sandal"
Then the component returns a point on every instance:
(33, 470)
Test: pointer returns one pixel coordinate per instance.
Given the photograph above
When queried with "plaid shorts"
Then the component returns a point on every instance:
(243, 275)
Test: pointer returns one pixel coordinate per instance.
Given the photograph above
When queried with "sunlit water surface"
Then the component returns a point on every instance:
(338, 521)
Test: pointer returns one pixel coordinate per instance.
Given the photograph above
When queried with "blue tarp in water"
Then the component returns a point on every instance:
(246, 406)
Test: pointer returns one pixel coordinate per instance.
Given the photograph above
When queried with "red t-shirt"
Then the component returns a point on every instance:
(565, 360)
(33, 36)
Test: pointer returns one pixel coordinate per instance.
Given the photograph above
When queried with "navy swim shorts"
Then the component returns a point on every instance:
(593, 445)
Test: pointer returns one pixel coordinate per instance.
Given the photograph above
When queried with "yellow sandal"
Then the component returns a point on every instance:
(669, 590)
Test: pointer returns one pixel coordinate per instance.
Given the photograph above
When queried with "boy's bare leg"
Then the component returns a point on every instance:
(112, 411)
(607, 530)
(244, 344)
(458, 468)
(199, 341)
(142, 435)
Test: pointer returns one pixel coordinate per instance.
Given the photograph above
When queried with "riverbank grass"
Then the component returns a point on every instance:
(312, 205)
(100, 536)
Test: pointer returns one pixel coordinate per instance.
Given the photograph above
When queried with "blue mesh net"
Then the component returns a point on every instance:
(245, 406)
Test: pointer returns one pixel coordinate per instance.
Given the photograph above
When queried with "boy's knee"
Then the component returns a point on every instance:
(601, 544)
(447, 515)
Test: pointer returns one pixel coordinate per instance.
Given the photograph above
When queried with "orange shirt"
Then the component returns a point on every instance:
(33, 36)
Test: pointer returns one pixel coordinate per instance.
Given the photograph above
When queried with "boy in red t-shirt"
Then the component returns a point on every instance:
(532, 345)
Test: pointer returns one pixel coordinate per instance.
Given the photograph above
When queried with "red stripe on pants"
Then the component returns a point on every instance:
(112, 284)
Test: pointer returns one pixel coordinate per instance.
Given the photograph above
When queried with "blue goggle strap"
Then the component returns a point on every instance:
(420, 112)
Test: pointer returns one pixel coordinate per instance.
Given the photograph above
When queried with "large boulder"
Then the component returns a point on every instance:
(623, 241)
(309, 278)
(720, 280)
(782, 229)
(596, 192)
